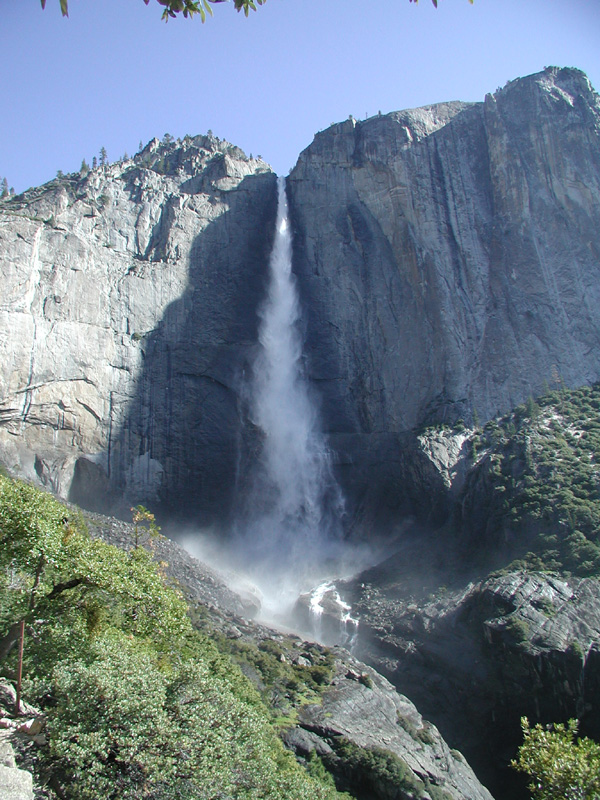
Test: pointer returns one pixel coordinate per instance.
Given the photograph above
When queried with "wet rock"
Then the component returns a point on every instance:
(478, 657)
(323, 614)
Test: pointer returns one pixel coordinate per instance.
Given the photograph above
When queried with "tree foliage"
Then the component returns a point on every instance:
(189, 8)
(144, 525)
(540, 463)
(123, 727)
(47, 554)
(139, 704)
(560, 766)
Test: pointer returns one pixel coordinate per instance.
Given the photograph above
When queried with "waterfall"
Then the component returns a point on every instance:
(295, 505)
(286, 548)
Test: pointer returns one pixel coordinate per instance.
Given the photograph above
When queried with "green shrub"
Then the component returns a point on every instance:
(559, 766)
(543, 477)
(424, 734)
(139, 704)
(577, 650)
(122, 727)
(437, 792)
(373, 772)
(518, 629)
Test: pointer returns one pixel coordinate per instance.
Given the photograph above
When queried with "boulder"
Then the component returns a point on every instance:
(15, 784)
(361, 710)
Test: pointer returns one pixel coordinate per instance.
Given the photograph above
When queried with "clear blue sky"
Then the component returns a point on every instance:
(113, 73)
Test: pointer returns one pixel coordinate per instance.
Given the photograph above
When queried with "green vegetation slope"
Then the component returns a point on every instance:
(535, 486)
(138, 703)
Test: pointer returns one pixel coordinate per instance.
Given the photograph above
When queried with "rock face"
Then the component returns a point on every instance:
(450, 262)
(363, 708)
(15, 784)
(128, 309)
(477, 657)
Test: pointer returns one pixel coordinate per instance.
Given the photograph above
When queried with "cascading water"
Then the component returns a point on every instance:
(325, 605)
(294, 511)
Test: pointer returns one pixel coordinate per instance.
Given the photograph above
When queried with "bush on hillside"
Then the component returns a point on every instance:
(139, 704)
(544, 477)
(559, 766)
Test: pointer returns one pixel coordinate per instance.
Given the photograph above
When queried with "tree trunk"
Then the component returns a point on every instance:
(9, 641)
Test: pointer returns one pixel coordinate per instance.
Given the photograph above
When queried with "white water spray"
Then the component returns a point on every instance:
(287, 543)
(295, 506)
(325, 602)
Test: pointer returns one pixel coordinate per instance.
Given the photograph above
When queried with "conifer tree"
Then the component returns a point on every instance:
(94, 162)
(84, 169)
(103, 156)
(4, 188)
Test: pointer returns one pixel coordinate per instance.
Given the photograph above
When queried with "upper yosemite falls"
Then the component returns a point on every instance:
(348, 378)
(447, 263)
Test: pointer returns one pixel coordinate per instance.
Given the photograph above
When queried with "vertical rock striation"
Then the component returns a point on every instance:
(127, 312)
(450, 262)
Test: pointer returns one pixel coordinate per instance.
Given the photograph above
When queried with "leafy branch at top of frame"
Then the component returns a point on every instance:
(190, 8)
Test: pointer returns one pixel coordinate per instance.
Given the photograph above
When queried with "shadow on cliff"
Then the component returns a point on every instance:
(178, 447)
(185, 446)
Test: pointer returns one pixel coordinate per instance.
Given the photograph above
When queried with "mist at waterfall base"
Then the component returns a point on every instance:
(288, 539)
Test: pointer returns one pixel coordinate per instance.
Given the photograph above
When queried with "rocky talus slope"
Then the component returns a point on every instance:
(372, 739)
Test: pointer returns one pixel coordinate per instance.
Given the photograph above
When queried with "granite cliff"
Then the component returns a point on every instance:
(448, 261)
(128, 311)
